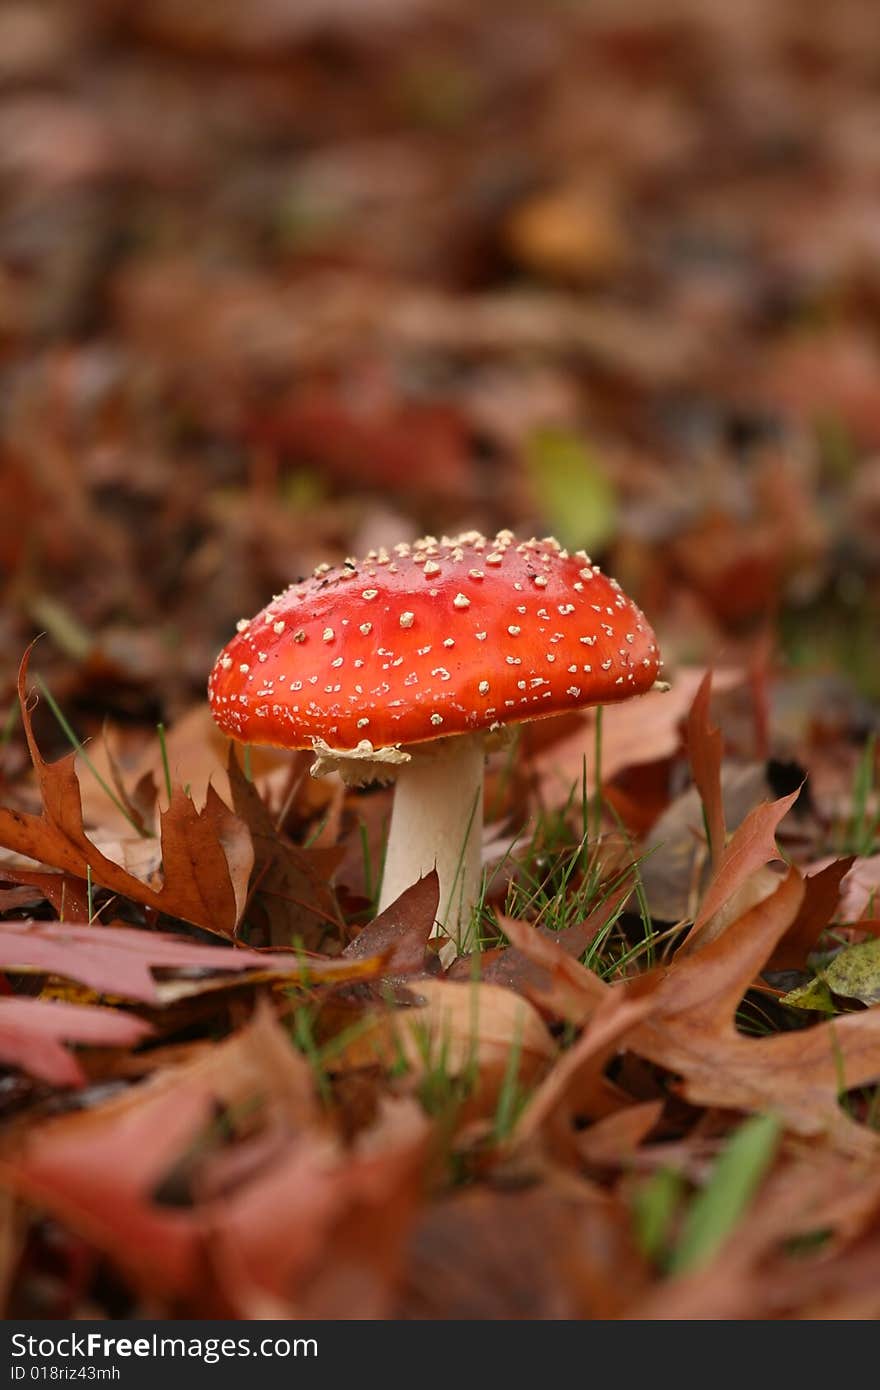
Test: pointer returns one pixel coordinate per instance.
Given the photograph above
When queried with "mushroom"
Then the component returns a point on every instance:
(401, 665)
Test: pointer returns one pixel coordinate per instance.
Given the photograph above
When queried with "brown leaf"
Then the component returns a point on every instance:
(691, 1032)
(401, 932)
(633, 732)
(861, 888)
(705, 748)
(821, 897)
(676, 869)
(799, 1075)
(751, 846)
(291, 891)
(207, 855)
(323, 1231)
(576, 1086)
(566, 988)
(67, 894)
(612, 1140)
(543, 1253)
(462, 1028)
(97, 1177)
(98, 1170)
(33, 1033)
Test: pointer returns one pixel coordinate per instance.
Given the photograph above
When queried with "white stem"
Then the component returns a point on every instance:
(438, 820)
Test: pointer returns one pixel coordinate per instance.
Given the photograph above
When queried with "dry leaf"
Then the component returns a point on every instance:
(207, 855)
(751, 846)
(119, 960)
(400, 933)
(33, 1033)
(705, 750)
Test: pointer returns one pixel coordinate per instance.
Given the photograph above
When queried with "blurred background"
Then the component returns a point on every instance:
(284, 280)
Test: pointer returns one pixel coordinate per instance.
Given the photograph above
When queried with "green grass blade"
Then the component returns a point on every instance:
(735, 1178)
(654, 1208)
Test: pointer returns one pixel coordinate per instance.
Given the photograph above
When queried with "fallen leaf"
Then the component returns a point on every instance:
(119, 960)
(690, 1030)
(99, 1170)
(400, 933)
(458, 1030)
(633, 732)
(676, 867)
(821, 899)
(207, 855)
(576, 1088)
(854, 973)
(751, 846)
(612, 1140)
(98, 1177)
(33, 1033)
(705, 749)
(322, 1234)
(547, 1252)
(814, 995)
(861, 889)
(290, 890)
(67, 894)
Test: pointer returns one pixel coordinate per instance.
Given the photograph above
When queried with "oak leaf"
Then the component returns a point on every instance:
(119, 960)
(691, 1032)
(207, 855)
(33, 1033)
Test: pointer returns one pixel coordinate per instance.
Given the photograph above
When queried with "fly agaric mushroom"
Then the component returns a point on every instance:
(400, 665)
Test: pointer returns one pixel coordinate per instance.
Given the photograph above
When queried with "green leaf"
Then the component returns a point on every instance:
(854, 972)
(735, 1177)
(572, 489)
(815, 995)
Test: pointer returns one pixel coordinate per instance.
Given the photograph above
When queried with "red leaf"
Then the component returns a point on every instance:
(97, 1177)
(33, 1033)
(97, 1170)
(321, 1231)
(118, 960)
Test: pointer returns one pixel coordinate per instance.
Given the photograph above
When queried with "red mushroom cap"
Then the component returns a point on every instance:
(438, 638)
